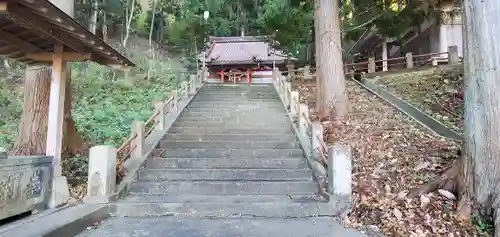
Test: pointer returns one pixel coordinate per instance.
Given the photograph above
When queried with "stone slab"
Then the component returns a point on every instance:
(222, 130)
(223, 187)
(214, 210)
(250, 198)
(225, 174)
(228, 153)
(230, 137)
(25, 184)
(228, 145)
(223, 163)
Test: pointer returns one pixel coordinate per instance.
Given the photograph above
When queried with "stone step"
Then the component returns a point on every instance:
(230, 137)
(260, 110)
(222, 130)
(234, 100)
(230, 118)
(224, 210)
(228, 153)
(223, 187)
(230, 114)
(225, 174)
(226, 163)
(183, 198)
(229, 145)
(248, 125)
(252, 106)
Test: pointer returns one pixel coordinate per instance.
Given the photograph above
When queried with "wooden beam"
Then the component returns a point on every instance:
(18, 42)
(120, 67)
(66, 56)
(35, 22)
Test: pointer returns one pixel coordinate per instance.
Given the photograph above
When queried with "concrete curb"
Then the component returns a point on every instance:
(68, 221)
(411, 111)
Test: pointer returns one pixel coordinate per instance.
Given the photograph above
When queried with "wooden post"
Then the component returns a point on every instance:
(453, 55)
(371, 65)
(175, 102)
(339, 170)
(138, 142)
(409, 60)
(160, 106)
(56, 110)
(185, 89)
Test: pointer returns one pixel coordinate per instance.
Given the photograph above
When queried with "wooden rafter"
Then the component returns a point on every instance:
(18, 42)
(46, 29)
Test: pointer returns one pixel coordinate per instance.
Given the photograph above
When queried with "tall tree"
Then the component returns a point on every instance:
(31, 139)
(481, 161)
(331, 99)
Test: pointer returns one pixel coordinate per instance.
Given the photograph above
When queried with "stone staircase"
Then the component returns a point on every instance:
(231, 153)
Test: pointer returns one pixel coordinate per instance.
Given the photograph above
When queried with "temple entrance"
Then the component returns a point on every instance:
(235, 76)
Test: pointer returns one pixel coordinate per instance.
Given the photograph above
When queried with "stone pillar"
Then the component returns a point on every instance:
(101, 181)
(316, 138)
(192, 86)
(339, 170)
(307, 72)
(409, 60)
(371, 65)
(290, 68)
(453, 55)
(161, 118)
(138, 142)
(303, 119)
(294, 101)
(385, 67)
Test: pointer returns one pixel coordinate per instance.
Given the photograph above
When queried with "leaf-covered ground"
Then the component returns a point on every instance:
(437, 92)
(392, 155)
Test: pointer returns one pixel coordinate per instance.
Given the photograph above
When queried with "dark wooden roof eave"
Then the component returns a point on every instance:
(36, 26)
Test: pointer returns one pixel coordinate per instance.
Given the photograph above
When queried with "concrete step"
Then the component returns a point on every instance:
(214, 210)
(238, 110)
(174, 226)
(228, 153)
(223, 187)
(248, 125)
(231, 114)
(183, 198)
(230, 137)
(228, 145)
(245, 118)
(226, 163)
(224, 174)
(236, 104)
(222, 130)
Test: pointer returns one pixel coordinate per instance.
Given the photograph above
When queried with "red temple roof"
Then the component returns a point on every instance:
(242, 50)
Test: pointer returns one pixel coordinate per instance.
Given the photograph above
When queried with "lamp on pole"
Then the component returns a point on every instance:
(206, 15)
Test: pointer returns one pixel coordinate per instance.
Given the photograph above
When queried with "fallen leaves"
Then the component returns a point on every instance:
(393, 155)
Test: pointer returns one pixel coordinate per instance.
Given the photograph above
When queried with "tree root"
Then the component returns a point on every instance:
(447, 181)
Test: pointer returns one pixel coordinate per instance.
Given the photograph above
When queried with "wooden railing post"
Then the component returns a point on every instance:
(192, 85)
(294, 101)
(303, 118)
(453, 55)
(371, 65)
(340, 170)
(409, 60)
(101, 181)
(137, 144)
(316, 138)
(160, 107)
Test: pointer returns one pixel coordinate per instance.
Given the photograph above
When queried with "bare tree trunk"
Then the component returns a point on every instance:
(151, 46)
(127, 28)
(93, 17)
(331, 100)
(32, 136)
(104, 24)
(481, 166)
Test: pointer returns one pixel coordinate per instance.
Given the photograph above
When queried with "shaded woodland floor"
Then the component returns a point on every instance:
(394, 155)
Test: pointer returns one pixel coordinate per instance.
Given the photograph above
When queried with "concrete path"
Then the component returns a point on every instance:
(241, 227)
